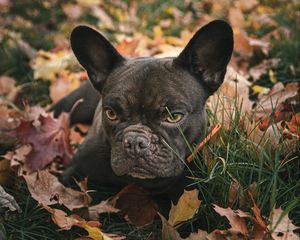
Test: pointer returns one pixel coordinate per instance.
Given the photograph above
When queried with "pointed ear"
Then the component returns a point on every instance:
(95, 54)
(208, 53)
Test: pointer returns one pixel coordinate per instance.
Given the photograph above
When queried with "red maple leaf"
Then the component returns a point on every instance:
(49, 138)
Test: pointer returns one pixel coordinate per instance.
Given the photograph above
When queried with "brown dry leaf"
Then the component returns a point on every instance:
(9, 89)
(246, 5)
(49, 138)
(7, 84)
(47, 190)
(281, 226)
(242, 43)
(199, 235)
(9, 118)
(18, 157)
(261, 44)
(64, 84)
(187, 206)
(235, 218)
(294, 124)
(128, 47)
(277, 95)
(132, 201)
(257, 71)
(105, 21)
(72, 11)
(65, 222)
(232, 96)
(237, 194)
(168, 232)
(236, 18)
(102, 207)
(259, 225)
(225, 235)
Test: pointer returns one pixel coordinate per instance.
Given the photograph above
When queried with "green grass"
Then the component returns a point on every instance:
(234, 158)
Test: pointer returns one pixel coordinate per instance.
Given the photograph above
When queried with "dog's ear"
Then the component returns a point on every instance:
(95, 54)
(207, 54)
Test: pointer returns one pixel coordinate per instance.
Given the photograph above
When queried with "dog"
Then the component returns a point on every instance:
(143, 110)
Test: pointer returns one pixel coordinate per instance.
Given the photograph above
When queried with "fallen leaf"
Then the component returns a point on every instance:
(7, 201)
(72, 11)
(7, 84)
(242, 43)
(281, 226)
(231, 100)
(18, 157)
(65, 222)
(9, 118)
(257, 71)
(47, 65)
(132, 201)
(64, 84)
(47, 190)
(102, 207)
(238, 195)
(279, 94)
(187, 206)
(294, 124)
(260, 89)
(236, 18)
(259, 225)
(246, 5)
(199, 235)
(105, 21)
(168, 232)
(49, 139)
(235, 218)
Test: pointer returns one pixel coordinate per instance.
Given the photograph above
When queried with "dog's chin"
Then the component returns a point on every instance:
(141, 175)
(155, 185)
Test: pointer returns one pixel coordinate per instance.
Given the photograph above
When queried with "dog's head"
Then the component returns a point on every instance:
(151, 107)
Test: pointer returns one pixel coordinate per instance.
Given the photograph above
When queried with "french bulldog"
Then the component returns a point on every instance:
(143, 110)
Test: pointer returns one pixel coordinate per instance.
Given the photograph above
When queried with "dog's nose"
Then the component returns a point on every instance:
(135, 143)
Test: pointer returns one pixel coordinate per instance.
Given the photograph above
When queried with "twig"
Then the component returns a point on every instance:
(205, 140)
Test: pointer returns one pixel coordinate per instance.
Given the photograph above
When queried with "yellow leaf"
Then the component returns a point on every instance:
(260, 89)
(65, 222)
(88, 3)
(47, 65)
(272, 76)
(94, 232)
(158, 34)
(188, 204)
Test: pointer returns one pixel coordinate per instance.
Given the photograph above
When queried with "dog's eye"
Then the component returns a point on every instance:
(174, 118)
(111, 115)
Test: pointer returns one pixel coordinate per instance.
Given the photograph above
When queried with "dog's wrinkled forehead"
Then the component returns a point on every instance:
(138, 79)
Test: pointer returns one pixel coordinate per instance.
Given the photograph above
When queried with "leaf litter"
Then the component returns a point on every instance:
(43, 140)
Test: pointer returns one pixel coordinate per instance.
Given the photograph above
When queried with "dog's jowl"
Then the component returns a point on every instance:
(137, 105)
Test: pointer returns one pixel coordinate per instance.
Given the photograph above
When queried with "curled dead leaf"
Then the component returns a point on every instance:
(65, 222)
(47, 190)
